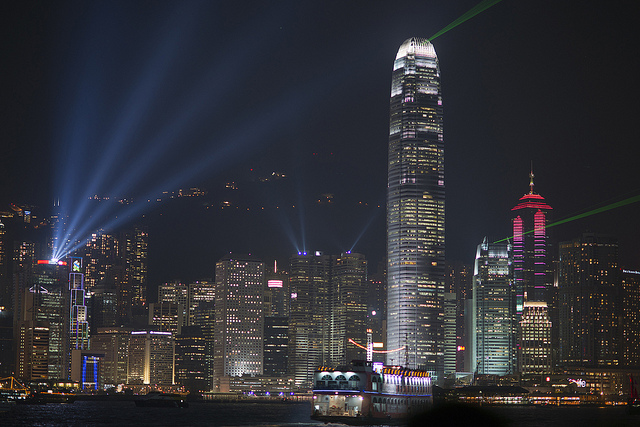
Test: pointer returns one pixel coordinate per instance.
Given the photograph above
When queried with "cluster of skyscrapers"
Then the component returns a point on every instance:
(525, 308)
(528, 307)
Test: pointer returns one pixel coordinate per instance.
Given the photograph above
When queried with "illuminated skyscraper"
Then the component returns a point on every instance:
(349, 309)
(533, 282)
(530, 264)
(310, 314)
(494, 350)
(415, 210)
(79, 316)
(535, 338)
(239, 319)
(590, 302)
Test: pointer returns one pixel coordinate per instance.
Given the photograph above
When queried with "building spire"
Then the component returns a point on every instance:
(531, 175)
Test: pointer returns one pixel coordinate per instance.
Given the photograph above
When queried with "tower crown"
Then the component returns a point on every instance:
(416, 46)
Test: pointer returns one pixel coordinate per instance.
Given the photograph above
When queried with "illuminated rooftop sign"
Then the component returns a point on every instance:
(274, 283)
(51, 262)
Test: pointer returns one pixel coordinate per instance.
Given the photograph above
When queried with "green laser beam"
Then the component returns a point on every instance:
(608, 207)
(480, 7)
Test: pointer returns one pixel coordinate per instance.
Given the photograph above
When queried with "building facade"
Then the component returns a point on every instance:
(310, 314)
(590, 302)
(416, 210)
(239, 320)
(494, 302)
(151, 358)
(349, 309)
(531, 267)
(535, 339)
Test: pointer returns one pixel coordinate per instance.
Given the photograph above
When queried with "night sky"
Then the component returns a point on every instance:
(131, 98)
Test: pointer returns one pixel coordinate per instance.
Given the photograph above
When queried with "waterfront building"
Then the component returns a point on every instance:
(416, 210)
(535, 339)
(151, 358)
(78, 313)
(276, 345)
(46, 300)
(205, 316)
(239, 322)
(113, 342)
(494, 351)
(276, 322)
(590, 302)
(191, 360)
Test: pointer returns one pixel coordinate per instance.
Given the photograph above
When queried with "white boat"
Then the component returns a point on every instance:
(366, 393)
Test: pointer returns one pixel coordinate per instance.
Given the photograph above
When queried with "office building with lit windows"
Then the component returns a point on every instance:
(310, 314)
(494, 350)
(238, 331)
(349, 309)
(590, 302)
(535, 339)
(533, 281)
(151, 358)
(631, 317)
(416, 210)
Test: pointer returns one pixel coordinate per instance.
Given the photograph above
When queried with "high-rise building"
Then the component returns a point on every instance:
(239, 319)
(533, 281)
(494, 296)
(531, 267)
(276, 322)
(78, 313)
(631, 318)
(191, 360)
(151, 358)
(167, 317)
(205, 316)
(310, 314)
(348, 309)
(134, 244)
(119, 261)
(200, 293)
(535, 339)
(458, 284)
(590, 302)
(114, 344)
(416, 210)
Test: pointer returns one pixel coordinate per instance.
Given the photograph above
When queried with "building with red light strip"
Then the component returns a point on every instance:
(532, 282)
(530, 248)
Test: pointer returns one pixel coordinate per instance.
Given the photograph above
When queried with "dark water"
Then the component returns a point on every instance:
(274, 415)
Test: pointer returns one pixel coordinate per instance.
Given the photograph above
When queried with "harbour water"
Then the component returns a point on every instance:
(84, 413)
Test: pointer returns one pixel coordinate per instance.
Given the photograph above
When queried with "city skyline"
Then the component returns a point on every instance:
(550, 85)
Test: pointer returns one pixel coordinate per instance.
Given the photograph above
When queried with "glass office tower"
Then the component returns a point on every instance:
(415, 210)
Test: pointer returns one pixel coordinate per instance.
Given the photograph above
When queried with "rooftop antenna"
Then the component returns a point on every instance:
(531, 175)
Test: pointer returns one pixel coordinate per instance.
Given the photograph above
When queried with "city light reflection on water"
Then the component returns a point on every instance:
(84, 413)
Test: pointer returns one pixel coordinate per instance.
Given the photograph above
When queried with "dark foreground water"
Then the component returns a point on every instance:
(276, 415)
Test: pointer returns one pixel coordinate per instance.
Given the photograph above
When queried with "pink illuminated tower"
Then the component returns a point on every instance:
(530, 248)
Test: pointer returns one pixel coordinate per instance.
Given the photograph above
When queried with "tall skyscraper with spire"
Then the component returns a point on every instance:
(415, 210)
(532, 276)
(531, 270)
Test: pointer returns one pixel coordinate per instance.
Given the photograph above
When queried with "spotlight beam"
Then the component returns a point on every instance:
(480, 7)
